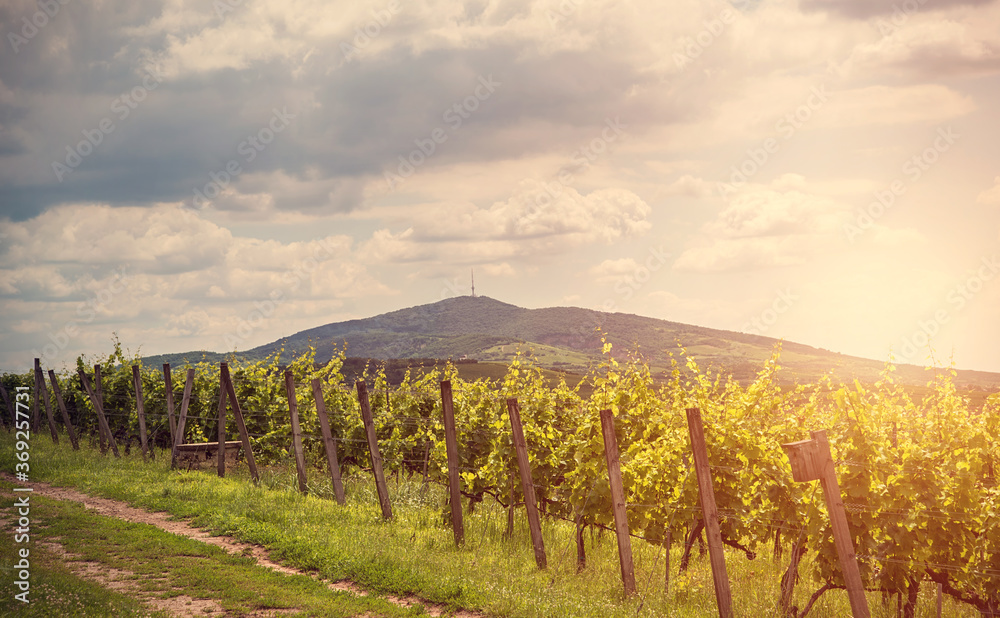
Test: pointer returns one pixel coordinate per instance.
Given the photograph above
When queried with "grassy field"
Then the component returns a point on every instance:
(413, 554)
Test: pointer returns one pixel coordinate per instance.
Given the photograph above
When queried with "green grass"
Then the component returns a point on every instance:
(167, 565)
(55, 590)
(413, 554)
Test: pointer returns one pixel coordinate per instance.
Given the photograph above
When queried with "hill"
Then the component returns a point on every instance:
(567, 339)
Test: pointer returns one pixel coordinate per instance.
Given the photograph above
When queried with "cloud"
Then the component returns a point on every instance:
(164, 276)
(690, 186)
(166, 239)
(865, 9)
(535, 220)
(929, 46)
(170, 253)
(220, 77)
(766, 228)
(889, 105)
(613, 270)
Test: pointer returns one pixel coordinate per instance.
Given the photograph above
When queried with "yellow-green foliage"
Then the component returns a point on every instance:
(918, 477)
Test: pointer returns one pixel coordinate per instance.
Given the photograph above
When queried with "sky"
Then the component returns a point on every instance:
(194, 175)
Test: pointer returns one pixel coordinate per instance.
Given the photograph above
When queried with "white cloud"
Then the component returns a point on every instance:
(765, 228)
(503, 269)
(534, 220)
(888, 105)
(690, 186)
(613, 270)
(929, 45)
(184, 277)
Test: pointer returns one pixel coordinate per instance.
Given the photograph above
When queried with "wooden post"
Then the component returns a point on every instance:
(140, 409)
(100, 411)
(328, 444)
(62, 409)
(220, 465)
(838, 520)
(185, 401)
(706, 495)
(293, 409)
(168, 390)
(240, 424)
(811, 460)
(618, 501)
(373, 450)
(102, 429)
(527, 485)
(43, 393)
(451, 446)
(940, 599)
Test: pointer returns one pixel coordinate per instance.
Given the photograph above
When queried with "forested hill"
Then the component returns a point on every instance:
(567, 338)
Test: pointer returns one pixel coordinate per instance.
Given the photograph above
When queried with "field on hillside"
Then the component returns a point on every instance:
(917, 477)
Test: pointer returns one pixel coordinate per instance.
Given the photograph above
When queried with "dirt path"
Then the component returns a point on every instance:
(123, 511)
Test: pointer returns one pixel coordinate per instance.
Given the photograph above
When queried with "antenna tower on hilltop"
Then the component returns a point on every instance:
(473, 271)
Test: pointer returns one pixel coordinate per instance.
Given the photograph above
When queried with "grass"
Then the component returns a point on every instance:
(414, 553)
(165, 565)
(55, 590)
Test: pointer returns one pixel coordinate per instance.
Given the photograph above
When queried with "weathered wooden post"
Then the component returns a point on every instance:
(811, 460)
(293, 410)
(168, 389)
(240, 424)
(62, 410)
(100, 411)
(328, 443)
(220, 464)
(185, 401)
(373, 450)
(140, 409)
(43, 394)
(618, 501)
(706, 495)
(451, 446)
(527, 485)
